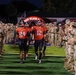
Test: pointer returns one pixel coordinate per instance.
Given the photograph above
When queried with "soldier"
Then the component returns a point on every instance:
(68, 29)
(56, 34)
(49, 32)
(60, 35)
(1, 39)
(67, 37)
(5, 33)
(11, 34)
(70, 48)
(52, 37)
(72, 42)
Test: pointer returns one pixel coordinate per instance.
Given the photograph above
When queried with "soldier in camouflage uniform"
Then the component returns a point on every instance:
(70, 48)
(60, 35)
(67, 37)
(11, 34)
(49, 32)
(52, 35)
(56, 34)
(1, 39)
(72, 43)
(5, 33)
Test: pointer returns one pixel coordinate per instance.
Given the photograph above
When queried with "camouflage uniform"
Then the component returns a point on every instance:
(52, 36)
(8, 33)
(1, 40)
(71, 51)
(67, 37)
(49, 33)
(56, 35)
(11, 34)
(5, 33)
(60, 36)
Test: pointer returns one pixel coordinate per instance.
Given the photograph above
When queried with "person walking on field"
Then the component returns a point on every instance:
(22, 36)
(1, 39)
(38, 36)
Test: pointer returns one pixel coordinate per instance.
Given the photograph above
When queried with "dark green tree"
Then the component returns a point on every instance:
(59, 6)
(23, 5)
(48, 6)
(11, 10)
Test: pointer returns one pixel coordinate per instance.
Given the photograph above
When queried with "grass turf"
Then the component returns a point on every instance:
(52, 51)
(51, 65)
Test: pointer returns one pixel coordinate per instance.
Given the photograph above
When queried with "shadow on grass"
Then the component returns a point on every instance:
(14, 58)
(16, 47)
(14, 72)
(53, 61)
(31, 66)
(27, 67)
(50, 72)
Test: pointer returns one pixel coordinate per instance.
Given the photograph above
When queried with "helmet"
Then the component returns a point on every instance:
(26, 24)
(21, 23)
(39, 22)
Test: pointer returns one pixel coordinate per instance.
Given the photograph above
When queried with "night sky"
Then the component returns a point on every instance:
(35, 2)
(5, 1)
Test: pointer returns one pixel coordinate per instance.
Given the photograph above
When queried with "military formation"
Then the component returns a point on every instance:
(57, 35)
(6, 34)
(65, 36)
(70, 46)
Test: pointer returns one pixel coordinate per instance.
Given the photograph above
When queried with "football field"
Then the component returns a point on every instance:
(52, 63)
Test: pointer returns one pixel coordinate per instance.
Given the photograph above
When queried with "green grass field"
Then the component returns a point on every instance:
(51, 51)
(52, 63)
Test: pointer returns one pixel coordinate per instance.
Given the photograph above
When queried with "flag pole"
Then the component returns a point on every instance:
(22, 17)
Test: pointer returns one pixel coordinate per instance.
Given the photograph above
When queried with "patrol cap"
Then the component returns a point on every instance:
(74, 24)
(59, 24)
(67, 21)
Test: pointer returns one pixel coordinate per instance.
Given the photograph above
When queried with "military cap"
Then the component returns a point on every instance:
(67, 21)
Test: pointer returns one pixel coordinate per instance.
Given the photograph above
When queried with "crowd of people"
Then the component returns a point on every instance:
(40, 33)
(6, 34)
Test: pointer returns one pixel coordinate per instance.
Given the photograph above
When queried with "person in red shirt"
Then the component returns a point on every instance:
(22, 36)
(38, 36)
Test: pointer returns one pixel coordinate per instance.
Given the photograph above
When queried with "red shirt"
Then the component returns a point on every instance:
(22, 32)
(38, 32)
